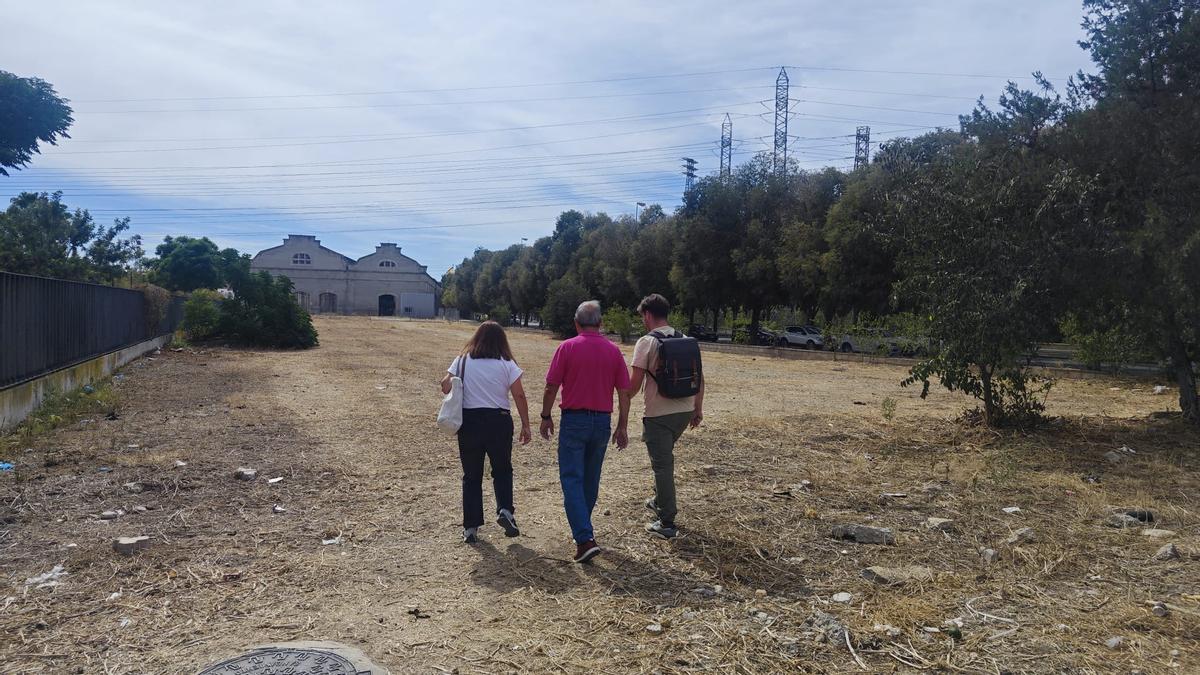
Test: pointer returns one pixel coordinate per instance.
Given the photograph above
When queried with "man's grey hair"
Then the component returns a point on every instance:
(587, 314)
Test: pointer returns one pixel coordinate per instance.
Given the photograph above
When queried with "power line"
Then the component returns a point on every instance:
(437, 90)
(371, 137)
(413, 104)
(914, 72)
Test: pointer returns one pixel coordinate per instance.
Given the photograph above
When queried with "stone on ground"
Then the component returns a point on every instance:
(1021, 536)
(134, 487)
(245, 474)
(1113, 457)
(1122, 520)
(130, 545)
(864, 534)
(1114, 642)
(989, 555)
(939, 524)
(1167, 552)
(830, 627)
(109, 515)
(1157, 533)
(890, 576)
(842, 597)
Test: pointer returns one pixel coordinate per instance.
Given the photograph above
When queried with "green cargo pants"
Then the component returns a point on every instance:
(660, 434)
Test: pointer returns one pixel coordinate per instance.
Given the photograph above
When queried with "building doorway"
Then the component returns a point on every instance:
(328, 303)
(302, 300)
(387, 305)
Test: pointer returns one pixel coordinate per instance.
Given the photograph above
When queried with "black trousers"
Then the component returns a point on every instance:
(485, 431)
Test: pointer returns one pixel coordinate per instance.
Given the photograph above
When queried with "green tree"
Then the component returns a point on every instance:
(1135, 129)
(988, 233)
(526, 279)
(187, 263)
(562, 299)
(31, 112)
(40, 236)
(110, 256)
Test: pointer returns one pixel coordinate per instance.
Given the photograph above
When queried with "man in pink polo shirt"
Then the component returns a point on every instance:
(588, 368)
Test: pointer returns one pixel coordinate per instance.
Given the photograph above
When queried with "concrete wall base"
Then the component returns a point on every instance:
(19, 400)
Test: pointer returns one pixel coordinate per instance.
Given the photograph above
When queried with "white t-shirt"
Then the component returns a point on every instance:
(486, 381)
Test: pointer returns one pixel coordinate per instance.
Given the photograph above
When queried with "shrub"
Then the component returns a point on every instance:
(562, 298)
(678, 320)
(156, 300)
(501, 315)
(1011, 396)
(740, 325)
(201, 314)
(1115, 345)
(264, 313)
(888, 407)
(621, 321)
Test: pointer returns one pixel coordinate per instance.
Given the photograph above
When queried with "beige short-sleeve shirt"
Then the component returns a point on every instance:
(645, 356)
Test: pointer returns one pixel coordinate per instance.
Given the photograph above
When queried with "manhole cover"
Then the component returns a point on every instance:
(286, 661)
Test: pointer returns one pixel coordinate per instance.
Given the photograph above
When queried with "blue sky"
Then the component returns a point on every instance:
(446, 126)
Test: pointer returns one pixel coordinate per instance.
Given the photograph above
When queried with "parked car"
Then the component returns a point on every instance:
(884, 342)
(870, 341)
(702, 333)
(806, 337)
(762, 337)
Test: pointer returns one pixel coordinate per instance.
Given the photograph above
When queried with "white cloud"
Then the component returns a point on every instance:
(320, 175)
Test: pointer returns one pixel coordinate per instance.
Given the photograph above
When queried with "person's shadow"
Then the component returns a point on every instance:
(730, 564)
(521, 567)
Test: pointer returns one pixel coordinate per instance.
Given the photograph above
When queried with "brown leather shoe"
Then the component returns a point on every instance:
(586, 551)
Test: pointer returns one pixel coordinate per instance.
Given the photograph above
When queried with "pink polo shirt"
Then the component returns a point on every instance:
(588, 367)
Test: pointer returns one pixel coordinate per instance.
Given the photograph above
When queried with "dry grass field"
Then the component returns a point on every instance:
(749, 588)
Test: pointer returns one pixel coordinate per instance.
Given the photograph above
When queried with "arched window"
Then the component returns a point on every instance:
(301, 259)
(387, 263)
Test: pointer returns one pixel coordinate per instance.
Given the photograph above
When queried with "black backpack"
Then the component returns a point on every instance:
(679, 372)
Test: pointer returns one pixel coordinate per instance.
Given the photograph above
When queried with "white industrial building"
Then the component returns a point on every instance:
(383, 283)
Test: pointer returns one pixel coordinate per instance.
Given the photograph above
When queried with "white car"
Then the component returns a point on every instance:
(806, 337)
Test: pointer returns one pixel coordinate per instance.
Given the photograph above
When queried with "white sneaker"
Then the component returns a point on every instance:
(509, 523)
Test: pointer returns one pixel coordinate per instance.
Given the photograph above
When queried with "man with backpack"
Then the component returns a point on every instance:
(668, 364)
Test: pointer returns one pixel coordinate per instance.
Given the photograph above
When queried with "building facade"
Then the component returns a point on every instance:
(383, 283)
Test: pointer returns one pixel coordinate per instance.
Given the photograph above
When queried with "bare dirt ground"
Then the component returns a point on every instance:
(349, 428)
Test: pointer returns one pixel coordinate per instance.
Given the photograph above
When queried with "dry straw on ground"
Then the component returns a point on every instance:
(748, 588)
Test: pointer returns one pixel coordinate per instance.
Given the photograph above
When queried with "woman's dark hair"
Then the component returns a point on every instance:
(489, 342)
(656, 304)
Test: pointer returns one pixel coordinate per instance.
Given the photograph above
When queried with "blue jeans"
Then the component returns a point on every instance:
(582, 440)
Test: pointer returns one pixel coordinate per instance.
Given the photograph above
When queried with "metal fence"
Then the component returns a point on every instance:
(47, 324)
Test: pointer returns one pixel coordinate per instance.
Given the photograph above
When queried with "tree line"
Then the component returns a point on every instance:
(1056, 211)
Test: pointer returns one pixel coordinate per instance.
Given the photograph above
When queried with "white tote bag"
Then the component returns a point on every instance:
(450, 416)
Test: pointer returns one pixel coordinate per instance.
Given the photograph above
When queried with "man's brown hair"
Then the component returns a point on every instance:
(656, 304)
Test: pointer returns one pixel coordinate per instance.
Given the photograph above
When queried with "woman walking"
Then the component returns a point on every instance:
(489, 373)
